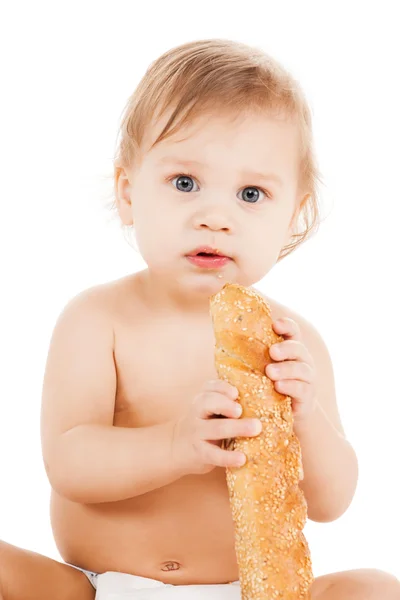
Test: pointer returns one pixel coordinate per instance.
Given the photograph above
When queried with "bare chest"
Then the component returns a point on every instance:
(161, 366)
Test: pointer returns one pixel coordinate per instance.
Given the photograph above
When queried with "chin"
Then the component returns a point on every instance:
(206, 284)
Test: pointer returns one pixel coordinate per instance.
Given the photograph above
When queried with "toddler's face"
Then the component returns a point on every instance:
(199, 189)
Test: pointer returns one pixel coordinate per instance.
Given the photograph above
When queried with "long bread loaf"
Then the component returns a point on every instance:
(268, 507)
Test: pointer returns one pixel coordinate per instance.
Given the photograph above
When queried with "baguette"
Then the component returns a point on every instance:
(268, 507)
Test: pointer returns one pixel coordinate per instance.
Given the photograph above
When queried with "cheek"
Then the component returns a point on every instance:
(153, 210)
(150, 218)
(261, 246)
(156, 235)
(272, 228)
(263, 235)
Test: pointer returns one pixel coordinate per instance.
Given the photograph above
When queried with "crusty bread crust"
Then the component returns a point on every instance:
(268, 506)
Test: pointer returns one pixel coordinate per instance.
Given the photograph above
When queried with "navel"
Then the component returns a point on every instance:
(170, 566)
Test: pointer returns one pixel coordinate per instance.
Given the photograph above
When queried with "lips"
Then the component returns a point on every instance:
(208, 258)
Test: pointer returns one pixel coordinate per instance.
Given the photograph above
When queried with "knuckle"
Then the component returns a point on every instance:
(228, 405)
(221, 428)
(221, 386)
(201, 450)
(213, 457)
(203, 397)
(219, 404)
(212, 402)
(204, 401)
(209, 396)
(210, 455)
(211, 384)
(221, 457)
(198, 398)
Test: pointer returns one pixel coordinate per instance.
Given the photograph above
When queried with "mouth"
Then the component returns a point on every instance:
(208, 258)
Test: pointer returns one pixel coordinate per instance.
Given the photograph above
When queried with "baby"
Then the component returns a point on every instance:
(215, 171)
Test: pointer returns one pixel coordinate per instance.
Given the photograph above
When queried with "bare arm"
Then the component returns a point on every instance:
(87, 459)
(329, 460)
(330, 468)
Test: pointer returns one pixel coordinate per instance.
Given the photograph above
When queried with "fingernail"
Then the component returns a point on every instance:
(238, 409)
(256, 426)
(241, 460)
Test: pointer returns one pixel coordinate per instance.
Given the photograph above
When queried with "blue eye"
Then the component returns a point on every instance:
(252, 194)
(184, 183)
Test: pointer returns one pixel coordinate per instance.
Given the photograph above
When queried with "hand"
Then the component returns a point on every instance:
(295, 375)
(198, 434)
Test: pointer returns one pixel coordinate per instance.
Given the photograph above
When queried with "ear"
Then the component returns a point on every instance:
(293, 222)
(300, 203)
(122, 188)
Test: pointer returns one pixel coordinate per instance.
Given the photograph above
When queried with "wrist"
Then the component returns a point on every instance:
(306, 423)
(178, 458)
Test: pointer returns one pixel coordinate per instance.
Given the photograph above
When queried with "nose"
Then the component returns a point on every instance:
(214, 220)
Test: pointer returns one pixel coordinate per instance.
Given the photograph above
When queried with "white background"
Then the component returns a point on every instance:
(67, 71)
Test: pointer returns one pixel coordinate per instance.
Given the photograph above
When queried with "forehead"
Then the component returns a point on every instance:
(256, 141)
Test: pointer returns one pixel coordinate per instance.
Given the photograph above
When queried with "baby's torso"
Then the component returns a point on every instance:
(182, 533)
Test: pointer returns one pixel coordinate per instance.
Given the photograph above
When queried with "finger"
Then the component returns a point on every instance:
(210, 404)
(297, 390)
(290, 350)
(214, 455)
(222, 387)
(290, 370)
(222, 429)
(287, 327)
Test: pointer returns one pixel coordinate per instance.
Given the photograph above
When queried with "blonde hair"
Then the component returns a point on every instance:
(220, 76)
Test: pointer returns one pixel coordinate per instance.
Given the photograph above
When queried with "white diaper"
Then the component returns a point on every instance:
(121, 586)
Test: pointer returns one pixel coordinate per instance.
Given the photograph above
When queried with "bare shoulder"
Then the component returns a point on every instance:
(318, 349)
(279, 311)
(109, 299)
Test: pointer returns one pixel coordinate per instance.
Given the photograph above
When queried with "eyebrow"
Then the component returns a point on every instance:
(195, 163)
